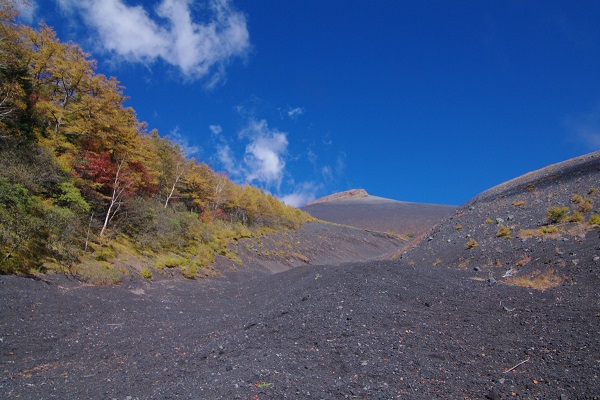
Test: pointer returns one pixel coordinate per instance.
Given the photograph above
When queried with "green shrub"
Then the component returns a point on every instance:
(190, 270)
(70, 197)
(105, 254)
(595, 220)
(557, 214)
(146, 273)
(170, 261)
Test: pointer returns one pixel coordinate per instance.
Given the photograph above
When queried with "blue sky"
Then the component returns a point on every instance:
(425, 101)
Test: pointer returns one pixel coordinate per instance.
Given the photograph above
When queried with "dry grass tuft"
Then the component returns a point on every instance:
(576, 217)
(523, 261)
(518, 203)
(537, 280)
(471, 244)
(576, 198)
(586, 206)
(503, 231)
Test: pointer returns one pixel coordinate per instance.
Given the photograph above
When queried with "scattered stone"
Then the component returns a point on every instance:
(596, 259)
(491, 281)
(510, 217)
(575, 262)
(499, 221)
(493, 395)
(477, 269)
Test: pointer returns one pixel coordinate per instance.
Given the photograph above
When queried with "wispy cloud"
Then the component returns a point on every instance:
(295, 112)
(585, 129)
(216, 130)
(27, 10)
(200, 49)
(178, 138)
(327, 173)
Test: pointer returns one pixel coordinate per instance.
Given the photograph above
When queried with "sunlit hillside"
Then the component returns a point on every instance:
(84, 183)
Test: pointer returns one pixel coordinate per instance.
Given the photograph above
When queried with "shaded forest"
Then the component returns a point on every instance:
(84, 183)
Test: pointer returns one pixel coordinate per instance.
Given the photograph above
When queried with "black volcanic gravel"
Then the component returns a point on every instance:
(380, 330)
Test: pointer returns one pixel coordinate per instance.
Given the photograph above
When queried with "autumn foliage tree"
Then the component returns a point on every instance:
(75, 162)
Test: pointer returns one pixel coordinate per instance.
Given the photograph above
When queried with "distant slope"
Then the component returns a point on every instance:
(359, 209)
(348, 194)
(315, 243)
(505, 232)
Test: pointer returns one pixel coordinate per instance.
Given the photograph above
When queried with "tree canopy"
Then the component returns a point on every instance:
(77, 167)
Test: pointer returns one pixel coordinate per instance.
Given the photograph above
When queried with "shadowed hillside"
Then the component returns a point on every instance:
(357, 208)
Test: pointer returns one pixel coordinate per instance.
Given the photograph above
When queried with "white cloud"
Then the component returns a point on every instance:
(198, 49)
(264, 156)
(295, 112)
(263, 159)
(302, 194)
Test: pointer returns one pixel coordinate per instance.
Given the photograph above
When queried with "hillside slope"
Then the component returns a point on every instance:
(362, 210)
(542, 226)
(438, 323)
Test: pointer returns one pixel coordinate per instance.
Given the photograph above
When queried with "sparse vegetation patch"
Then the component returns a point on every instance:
(556, 215)
(537, 280)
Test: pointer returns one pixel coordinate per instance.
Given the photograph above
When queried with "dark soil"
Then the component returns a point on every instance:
(441, 322)
(378, 331)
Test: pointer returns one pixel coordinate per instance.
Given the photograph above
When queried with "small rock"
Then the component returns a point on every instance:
(491, 281)
(564, 397)
(510, 217)
(493, 395)
(499, 221)
(477, 269)
(575, 262)
(596, 259)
